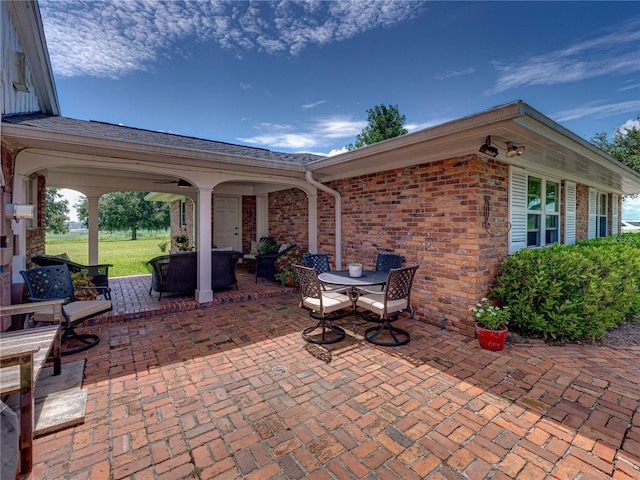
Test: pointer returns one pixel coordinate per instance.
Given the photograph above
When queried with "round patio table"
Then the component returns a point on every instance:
(353, 284)
(342, 277)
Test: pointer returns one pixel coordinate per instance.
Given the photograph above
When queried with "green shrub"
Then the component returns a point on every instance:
(572, 292)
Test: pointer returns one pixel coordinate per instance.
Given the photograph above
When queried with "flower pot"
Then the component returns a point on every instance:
(493, 340)
(355, 270)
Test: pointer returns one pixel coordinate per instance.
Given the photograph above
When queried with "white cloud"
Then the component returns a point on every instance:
(246, 86)
(455, 73)
(596, 111)
(610, 54)
(109, 38)
(630, 124)
(307, 106)
(304, 137)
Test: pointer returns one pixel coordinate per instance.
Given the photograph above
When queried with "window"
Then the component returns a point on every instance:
(543, 212)
(601, 215)
(183, 213)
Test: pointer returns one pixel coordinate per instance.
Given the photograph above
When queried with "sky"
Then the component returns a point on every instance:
(299, 76)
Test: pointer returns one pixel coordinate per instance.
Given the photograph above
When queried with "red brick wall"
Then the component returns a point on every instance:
(582, 212)
(289, 217)
(433, 215)
(248, 222)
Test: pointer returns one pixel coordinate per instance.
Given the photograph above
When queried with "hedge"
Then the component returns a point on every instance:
(572, 292)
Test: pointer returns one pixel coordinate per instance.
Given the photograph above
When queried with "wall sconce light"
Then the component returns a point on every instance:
(513, 151)
(18, 212)
(184, 184)
(487, 148)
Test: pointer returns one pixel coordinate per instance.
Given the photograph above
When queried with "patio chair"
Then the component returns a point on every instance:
(175, 273)
(320, 263)
(54, 282)
(223, 268)
(387, 261)
(324, 306)
(266, 262)
(385, 307)
(98, 274)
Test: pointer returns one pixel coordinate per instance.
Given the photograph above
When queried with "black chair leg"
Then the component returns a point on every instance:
(398, 336)
(327, 334)
(88, 339)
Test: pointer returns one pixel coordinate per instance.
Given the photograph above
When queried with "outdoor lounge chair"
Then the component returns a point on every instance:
(266, 262)
(53, 283)
(175, 273)
(98, 274)
(223, 268)
(385, 306)
(323, 306)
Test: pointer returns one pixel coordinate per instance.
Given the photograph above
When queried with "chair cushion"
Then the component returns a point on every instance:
(375, 303)
(75, 310)
(331, 301)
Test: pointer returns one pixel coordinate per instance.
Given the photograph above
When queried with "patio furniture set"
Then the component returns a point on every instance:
(380, 294)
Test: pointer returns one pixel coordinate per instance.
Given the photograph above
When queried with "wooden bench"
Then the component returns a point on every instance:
(23, 353)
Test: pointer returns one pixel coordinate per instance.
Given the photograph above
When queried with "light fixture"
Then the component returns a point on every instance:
(513, 151)
(487, 148)
(184, 184)
(18, 212)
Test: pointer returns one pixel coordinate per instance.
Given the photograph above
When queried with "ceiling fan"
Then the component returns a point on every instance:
(181, 183)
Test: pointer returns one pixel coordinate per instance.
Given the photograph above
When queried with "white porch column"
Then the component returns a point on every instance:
(19, 229)
(262, 216)
(93, 229)
(313, 223)
(204, 293)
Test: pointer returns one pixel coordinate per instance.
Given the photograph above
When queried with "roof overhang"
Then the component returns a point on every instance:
(550, 149)
(103, 164)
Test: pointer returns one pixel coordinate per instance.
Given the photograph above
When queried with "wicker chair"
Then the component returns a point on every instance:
(266, 263)
(223, 268)
(176, 273)
(99, 273)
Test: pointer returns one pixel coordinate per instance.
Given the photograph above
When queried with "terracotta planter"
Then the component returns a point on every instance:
(493, 340)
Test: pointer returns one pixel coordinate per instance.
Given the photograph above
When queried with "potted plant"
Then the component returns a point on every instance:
(355, 269)
(284, 272)
(182, 242)
(491, 325)
(268, 245)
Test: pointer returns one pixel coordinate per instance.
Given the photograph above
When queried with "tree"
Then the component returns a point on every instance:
(624, 146)
(127, 212)
(384, 121)
(57, 211)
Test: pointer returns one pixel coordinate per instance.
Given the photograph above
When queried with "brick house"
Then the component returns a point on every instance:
(456, 198)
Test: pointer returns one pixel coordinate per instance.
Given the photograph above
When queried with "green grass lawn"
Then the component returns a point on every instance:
(127, 256)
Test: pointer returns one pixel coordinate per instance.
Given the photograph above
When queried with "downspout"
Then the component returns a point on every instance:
(338, 207)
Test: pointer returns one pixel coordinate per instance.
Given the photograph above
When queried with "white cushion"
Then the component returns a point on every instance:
(75, 310)
(255, 245)
(283, 247)
(375, 303)
(331, 301)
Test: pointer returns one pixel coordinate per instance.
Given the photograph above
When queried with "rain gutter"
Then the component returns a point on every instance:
(338, 215)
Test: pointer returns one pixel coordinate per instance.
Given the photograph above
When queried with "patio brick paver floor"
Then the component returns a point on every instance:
(231, 392)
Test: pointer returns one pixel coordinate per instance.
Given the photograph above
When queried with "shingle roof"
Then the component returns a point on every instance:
(109, 131)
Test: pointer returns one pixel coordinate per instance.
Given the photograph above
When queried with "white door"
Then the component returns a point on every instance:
(226, 222)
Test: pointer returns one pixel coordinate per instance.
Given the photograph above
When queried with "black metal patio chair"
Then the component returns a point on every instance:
(385, 306)
(54, 282)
